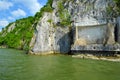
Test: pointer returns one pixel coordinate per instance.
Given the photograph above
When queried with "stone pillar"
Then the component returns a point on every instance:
(118, 29)
(110, 34)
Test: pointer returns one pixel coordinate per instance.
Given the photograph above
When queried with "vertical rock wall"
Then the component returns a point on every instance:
(50, 37)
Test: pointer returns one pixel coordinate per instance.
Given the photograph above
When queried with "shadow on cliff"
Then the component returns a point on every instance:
(65, 43)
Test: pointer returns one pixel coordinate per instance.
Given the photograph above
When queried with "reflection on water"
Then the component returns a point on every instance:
(15, 65)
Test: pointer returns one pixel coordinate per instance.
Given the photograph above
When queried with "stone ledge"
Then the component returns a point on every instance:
(45, 53)
(90, 56)
(96, 47)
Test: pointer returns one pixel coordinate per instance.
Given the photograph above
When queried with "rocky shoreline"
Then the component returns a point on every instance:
(115, 58)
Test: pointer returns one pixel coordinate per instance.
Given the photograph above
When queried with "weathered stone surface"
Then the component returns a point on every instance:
(50, 39)
(93, 34)
(43, 40)
(96, 47)
(110, 33)
(62, 40)
(89, 12)
(11, 27)
(96, 31)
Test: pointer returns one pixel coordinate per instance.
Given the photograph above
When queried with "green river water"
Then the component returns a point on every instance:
(15, 65)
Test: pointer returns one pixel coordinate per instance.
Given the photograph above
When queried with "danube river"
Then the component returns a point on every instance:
(16, 65)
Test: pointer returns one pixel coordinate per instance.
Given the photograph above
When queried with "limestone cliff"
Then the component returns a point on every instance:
(49, 39)
(77, 25)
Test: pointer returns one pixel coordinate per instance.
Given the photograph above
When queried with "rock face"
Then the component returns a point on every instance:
(11, 27)
(50, 39)
(92, 28)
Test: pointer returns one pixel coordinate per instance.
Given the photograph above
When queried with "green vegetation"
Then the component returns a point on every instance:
(113, 10)
(63, 14)
(110, 11)
(50, 21)
(21, 36)
(46, 8)
(117, 6)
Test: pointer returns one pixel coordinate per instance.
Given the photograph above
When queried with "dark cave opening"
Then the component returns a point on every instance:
(116, 33)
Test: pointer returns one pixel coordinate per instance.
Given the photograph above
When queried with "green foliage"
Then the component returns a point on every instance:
(21, 36)
(50, 21)
(113, 11)
(67, 0)
(63, 14)
(65, 18)
(12, 40)
(109, 11)
(117, 2)
(117, 6)
(1, 40)
(60, 7)
(50, 2)
(46, 8)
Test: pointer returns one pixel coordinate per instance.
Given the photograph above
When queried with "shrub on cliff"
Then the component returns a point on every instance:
(117, 6)
(63, 14)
